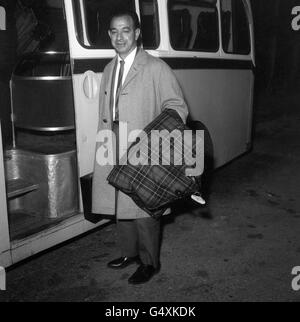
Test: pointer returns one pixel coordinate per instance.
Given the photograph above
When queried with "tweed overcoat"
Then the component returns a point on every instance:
(149, 88)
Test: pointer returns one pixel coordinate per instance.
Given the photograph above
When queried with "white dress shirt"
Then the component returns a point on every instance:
(128, 63)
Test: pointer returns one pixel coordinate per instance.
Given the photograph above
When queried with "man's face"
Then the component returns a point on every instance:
(123, 35)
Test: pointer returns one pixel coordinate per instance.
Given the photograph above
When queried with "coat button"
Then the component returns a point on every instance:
(104, 120)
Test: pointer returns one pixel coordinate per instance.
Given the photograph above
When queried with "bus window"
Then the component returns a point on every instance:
(235, 27)
(92, 20)
(41, 27)
(193, 25)
(149, 23)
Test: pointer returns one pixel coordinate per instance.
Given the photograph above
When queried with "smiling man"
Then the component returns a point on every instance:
(124, 33)
(135, 88)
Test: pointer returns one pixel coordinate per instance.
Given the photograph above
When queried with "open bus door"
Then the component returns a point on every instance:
(5, 258)
(41, 206)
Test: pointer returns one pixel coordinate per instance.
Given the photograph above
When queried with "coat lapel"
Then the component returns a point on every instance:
(109, 88)
(139, 60)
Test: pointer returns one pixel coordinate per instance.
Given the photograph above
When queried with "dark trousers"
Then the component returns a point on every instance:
(140, 237)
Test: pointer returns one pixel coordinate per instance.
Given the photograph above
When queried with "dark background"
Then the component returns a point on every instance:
(277, 46)
(277, 52)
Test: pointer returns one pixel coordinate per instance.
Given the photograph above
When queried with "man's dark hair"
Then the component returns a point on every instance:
(130, 13)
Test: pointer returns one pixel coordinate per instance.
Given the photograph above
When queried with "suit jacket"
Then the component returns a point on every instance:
(159, 177)
(149, 88)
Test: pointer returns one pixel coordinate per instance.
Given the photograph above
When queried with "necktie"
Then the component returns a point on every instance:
(119, 87)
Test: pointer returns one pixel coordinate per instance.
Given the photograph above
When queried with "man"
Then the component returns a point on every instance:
(135, 88)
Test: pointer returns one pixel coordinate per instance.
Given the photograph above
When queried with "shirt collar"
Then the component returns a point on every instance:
(130, 58)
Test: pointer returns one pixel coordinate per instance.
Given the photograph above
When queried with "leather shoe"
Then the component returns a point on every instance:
(142, 275)
(122, 262)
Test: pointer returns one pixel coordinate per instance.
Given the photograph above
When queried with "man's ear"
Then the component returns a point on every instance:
(109, 33)
(137, 33)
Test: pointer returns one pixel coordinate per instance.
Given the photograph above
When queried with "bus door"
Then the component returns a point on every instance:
(5, 258)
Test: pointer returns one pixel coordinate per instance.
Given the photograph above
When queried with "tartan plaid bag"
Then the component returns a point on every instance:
(155, 176)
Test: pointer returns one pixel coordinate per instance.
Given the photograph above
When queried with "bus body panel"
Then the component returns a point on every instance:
(86, 103)
(227, 125)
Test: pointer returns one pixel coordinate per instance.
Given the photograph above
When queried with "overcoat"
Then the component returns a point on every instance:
(149, 88)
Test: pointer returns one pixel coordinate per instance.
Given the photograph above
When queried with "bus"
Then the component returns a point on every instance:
(46, 174)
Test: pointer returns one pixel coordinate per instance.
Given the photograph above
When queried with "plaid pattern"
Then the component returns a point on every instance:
(151, 184)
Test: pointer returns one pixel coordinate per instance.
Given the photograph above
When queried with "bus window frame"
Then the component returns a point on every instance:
(138, 10)
(165, 49)
(195, 50)
(83, 25)
(246, 11)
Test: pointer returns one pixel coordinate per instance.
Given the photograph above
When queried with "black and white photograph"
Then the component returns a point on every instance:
(149, 153)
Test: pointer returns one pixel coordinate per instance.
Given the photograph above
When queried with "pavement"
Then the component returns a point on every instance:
(242, 246)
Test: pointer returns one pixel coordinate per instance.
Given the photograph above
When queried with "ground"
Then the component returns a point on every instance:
(241, 247)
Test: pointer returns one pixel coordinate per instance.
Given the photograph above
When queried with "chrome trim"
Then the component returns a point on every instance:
(54, 53)
(9, 152)
(41, 53)
(48, 129)
(45, 78)
(55, 174)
